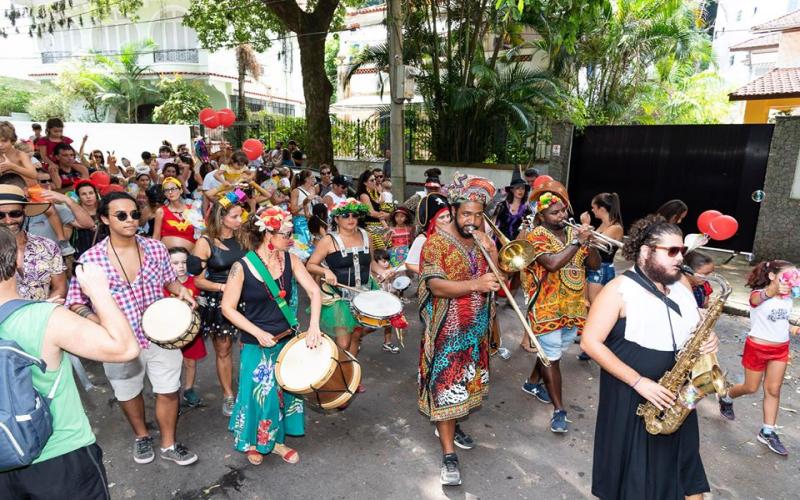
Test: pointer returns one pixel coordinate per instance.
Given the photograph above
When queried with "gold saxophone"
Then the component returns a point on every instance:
(694, 375)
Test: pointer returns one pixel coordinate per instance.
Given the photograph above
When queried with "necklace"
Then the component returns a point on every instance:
(279, 280)
(125, 274)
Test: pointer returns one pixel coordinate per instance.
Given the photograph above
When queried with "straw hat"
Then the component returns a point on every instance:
(12, 195)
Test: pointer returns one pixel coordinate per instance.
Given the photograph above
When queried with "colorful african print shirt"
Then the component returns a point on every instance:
(40, 261)
(555, 300)
(454, 356)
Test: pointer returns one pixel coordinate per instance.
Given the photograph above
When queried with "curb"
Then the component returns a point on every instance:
(736, 310)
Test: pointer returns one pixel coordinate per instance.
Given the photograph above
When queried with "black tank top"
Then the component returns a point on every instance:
(257, 304)
(376, 207)
(220, 261)
(346, 262)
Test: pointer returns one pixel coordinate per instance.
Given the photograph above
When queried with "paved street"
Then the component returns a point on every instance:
(381, 447)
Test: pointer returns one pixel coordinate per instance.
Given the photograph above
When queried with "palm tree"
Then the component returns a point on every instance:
(121, 83)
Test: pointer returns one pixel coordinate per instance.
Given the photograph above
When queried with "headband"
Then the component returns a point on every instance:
(349, 206)
(272, 219)
(172, 180)
(545, 201)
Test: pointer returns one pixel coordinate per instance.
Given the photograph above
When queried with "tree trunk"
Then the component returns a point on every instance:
(318, 91)
(240, 111)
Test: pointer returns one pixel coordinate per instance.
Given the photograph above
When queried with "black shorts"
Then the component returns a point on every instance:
(78, 474)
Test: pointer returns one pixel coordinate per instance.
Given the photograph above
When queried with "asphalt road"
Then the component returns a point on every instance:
(381, 447)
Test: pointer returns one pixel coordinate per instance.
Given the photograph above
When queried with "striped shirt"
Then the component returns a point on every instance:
(155, 273)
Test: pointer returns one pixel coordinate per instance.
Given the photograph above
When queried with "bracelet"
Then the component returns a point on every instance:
(84, 312)
(633, 386)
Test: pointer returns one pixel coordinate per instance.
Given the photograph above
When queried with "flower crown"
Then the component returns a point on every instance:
(350, 206)
(545, 200)
(272, 219)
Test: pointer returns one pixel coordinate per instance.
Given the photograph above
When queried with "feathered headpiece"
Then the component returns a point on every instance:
(350, 206)
(273, 219)
(470, 188)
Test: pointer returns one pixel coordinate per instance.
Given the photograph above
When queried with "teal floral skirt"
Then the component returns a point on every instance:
(263, 414)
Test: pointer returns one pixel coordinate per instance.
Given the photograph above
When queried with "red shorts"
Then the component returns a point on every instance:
(756, 355)
(196, 349)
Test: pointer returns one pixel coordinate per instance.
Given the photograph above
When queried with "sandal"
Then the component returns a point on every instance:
(254, 457)
(290, 456)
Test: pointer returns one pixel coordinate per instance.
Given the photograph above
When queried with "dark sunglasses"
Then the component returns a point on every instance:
(349, 215)
(123, 216)
(672, 251)
(14, 214)
(327, 172)
(45, 181)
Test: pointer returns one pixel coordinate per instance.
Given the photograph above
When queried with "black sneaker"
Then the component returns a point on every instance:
(583, 357)
(143, 450)
(461, 438)
(450, 474)
(726, 409)
(773, 442)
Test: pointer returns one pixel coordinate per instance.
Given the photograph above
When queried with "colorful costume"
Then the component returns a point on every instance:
(401, 241)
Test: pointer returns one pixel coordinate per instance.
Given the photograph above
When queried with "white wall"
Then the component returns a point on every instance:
(127, 140)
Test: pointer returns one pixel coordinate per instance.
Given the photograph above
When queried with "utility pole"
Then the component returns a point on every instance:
(394, 26)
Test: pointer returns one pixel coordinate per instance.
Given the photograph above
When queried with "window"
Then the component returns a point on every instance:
(171, 34)
(731, 60)
(739, 15)
(113, 34)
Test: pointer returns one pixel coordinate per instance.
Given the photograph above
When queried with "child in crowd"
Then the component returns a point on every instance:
(384, 278)
(386, 193)
(766, 350)
(196, 349)
(400, 236)
(11, 158)
(702, 265)
(235, 172)
(318, 223)
(46, 145)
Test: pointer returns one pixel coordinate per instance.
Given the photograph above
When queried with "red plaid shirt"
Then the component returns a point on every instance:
(148, 286)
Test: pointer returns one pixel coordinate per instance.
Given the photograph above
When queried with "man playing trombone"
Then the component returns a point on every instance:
(456, 283)
(554, 285)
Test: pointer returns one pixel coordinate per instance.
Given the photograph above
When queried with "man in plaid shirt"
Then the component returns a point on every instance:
(138, 269)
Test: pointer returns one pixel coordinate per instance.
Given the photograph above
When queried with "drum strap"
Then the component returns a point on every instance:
(253, 259)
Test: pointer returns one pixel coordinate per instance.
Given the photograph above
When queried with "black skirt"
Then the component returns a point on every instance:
(630, 463)
(212, 321)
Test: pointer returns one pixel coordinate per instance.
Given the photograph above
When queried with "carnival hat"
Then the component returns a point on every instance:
(429, 206)
(518, 182)
(404, 210)
(554, 187)
(12, 195)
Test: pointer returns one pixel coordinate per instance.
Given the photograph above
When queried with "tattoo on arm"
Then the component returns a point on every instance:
(236, 269)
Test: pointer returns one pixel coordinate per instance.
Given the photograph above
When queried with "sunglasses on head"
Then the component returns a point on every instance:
(14, 214)
(671, 251)
(123, 216)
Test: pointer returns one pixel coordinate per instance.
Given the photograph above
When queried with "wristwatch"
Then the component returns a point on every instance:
(575, 242)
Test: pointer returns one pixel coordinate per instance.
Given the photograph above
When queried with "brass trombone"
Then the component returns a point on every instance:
(518, 255)
(599, 240)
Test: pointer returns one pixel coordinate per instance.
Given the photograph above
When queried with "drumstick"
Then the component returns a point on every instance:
(339, 285)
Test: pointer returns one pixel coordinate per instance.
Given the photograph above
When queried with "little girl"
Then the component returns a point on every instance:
(766, 350)
(702, 265)
(383, 277)
(196, 349)
(400, 236)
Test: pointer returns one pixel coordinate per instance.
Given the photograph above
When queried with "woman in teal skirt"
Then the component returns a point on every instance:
(255, 302)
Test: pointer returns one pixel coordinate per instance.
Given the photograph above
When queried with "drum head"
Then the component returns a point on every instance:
(300, 367)
(166, 319)
(378, 304)
(401, 282)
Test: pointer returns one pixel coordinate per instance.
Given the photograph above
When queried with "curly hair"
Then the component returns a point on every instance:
(759, 276)
(647, 231)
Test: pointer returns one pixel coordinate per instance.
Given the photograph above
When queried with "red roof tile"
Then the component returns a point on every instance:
(759, 42)
(785, 22)
(777, 83)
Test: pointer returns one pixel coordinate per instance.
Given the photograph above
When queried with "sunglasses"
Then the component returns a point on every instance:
(379, 177)
(286, 234)
(14, 214)
(325, 173)
(671, 251)
(348, 216)
(45, 181)
(123, 216)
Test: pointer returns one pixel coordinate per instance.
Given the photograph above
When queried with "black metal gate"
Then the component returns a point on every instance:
(707, 166)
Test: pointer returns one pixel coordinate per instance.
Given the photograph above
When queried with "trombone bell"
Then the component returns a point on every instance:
(515, 256)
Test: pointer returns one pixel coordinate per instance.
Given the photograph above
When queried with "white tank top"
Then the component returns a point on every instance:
(770, 320)
(646, 316)
(335, 198)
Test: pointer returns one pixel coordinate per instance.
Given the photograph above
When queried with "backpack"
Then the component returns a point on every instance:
(25, 420)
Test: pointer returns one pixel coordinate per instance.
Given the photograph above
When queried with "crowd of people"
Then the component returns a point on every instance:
(237, 240)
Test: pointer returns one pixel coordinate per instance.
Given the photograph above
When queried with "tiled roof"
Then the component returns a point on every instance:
(777, 83)
(785, 22)
(759, 42)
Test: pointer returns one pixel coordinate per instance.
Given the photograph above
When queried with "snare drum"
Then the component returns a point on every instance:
(326, 376)
(170, 323)
(401, 283)
(375, 309)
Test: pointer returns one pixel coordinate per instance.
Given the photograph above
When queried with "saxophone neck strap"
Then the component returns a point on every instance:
(645, 282)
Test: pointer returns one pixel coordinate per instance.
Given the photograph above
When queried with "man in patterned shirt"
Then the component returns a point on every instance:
(138, 270)
(42, 274)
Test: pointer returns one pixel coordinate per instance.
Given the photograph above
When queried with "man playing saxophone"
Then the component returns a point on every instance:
(635, 330)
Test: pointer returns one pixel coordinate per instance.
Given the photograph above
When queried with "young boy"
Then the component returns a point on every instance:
(196, 349)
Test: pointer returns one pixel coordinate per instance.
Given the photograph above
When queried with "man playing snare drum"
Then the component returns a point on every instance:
(138, 269)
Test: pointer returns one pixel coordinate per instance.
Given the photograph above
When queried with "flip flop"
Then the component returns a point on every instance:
(254, 457)
(290, 457)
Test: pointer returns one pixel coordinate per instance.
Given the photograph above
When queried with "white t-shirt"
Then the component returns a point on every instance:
(415, 252)
(387, 197)
(210, 181)
(770, 320)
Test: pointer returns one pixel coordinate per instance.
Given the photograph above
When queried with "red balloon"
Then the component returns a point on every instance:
(722, 227)
(100, 179)
(252, 148)
(226, 117)
(705, 219)
(208, 117)
(541, 180)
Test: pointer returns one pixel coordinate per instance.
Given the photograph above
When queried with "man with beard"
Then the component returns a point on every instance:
(636, 327)
(554, 285)
(454, 297)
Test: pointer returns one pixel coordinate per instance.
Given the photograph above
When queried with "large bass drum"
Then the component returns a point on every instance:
(326, 377)
(170, 323)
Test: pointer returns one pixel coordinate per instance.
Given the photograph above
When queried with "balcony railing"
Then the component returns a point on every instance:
(176, 55)
(52, 57)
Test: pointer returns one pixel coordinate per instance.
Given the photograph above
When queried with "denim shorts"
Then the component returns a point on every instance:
(557, 342)
(603, 275)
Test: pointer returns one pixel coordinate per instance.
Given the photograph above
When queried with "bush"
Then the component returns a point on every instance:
(51, 104)
(281, 128)
(13, 100)
(183, 100)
